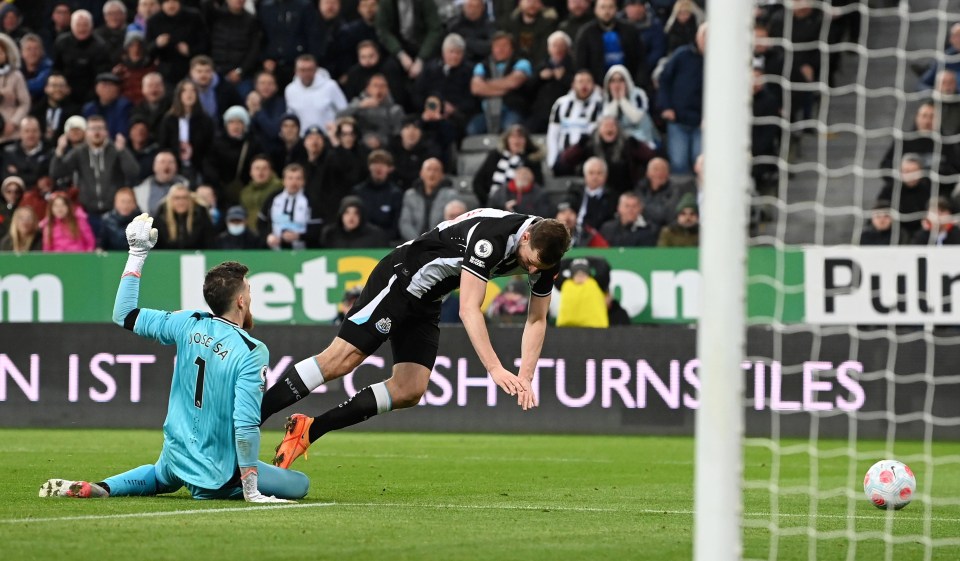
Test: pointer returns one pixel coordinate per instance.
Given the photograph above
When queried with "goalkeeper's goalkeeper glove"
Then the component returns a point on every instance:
(141, 237)
(251, 493)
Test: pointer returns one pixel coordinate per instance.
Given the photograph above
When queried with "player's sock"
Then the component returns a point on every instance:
(370, 401)
(138, 482)
(295, 384)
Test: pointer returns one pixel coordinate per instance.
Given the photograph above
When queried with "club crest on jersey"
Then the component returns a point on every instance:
(384, 325)
(263, 378)
(483, 249)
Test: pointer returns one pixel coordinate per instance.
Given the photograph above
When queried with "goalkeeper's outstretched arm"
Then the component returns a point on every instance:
(141, 236)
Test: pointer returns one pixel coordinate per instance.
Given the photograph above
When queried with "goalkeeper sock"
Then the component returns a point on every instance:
(138, 482)
(370, 401)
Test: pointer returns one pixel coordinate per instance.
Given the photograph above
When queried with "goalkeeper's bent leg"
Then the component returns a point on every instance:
(137, 482)
(282, 483)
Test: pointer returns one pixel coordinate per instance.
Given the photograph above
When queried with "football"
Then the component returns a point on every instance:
(889, 484)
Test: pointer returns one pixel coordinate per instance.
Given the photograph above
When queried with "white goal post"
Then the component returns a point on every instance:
(723, 254)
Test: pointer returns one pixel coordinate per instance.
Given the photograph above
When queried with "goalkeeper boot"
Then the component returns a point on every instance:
(72, 489)
(296, 440)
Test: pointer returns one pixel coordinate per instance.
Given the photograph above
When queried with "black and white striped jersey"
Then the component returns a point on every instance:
(570, 119)
(482, 242)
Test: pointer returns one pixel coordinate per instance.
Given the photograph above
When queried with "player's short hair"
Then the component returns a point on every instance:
(222, 284)
(551, 239)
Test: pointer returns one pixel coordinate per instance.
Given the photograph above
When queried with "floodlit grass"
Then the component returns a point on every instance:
(446, 497)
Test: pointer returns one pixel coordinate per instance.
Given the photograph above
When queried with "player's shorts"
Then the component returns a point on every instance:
(385, 310)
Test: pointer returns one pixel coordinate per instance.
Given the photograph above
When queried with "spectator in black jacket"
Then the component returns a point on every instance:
(369, 63)
(80, 56)
(322, 24)
(58, 24)
(155, 103)
(593, 201)
(552, 78)
(114, 28)
(290, 148)
(629, 228)
(448, 77)
(175, 34)
(476, 29)
(352, 231)
(143, 147)
(578, 15)
(283, 36)
(382, 198)
(191, 147)
(29, 158)
(53, 110)
(227, 165)
(237, 235)
(324, 186)
(595, 53)
(920, 141)
(911, 195)
(357, 31)
(267, 108)
(883, 229)
(410, 149)
(216, 95)
(235, 39)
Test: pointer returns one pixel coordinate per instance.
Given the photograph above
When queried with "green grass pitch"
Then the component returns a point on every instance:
(450, 496)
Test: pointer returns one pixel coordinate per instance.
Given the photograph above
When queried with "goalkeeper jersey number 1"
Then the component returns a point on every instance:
(217, 385)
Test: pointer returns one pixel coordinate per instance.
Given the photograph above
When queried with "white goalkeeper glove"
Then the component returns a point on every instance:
(141, 237)
(252, 494)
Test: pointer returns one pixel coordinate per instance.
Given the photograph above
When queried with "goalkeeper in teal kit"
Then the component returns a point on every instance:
(211, 437)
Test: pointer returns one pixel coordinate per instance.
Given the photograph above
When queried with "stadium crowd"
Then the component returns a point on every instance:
(358, 123)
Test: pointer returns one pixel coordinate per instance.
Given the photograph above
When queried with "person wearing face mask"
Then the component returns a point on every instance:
(237, 235)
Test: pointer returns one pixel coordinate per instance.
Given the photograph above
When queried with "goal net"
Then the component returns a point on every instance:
(853, 173)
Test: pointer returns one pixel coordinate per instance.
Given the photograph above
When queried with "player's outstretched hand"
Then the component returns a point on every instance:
(251, 493)
(515, 385)
(141, 235)
(263, 499)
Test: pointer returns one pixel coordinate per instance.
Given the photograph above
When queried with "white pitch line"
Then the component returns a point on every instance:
(641, 511)
(160, 513)
(473, 458)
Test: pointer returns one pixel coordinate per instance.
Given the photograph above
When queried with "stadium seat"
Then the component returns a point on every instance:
(463, 184)
(469, 199)
(560, 184)
(479, 143)
(469, 162)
